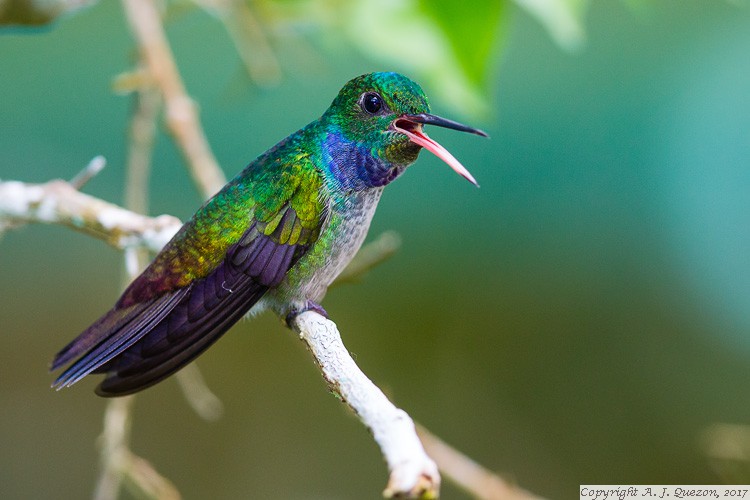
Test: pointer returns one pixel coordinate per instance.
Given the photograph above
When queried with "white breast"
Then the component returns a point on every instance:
(339, 240)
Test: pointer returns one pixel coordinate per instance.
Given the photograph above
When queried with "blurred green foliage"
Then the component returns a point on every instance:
(452, 47)
(472, 33)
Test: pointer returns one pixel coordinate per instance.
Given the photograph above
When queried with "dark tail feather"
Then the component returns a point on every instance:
(112, 334)
(178, 339)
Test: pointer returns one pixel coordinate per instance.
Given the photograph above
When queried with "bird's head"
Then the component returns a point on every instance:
(385, 112)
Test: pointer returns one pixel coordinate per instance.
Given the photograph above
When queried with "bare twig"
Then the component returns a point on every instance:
(142, 134)
(467, 474)
(412, 473)
(57, 202)
(95, 166)
(113, 447)
(199, 396)
(181, 115)
(120, 465)
(249, 39)
(148, 482)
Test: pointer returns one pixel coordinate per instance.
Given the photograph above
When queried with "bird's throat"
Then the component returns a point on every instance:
(353, 167)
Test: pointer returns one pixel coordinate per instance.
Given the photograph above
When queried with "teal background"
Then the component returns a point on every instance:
(581, 318)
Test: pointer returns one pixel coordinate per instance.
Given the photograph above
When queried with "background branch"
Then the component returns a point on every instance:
(469, 475)
(181, 114)
(249, 37)
(120, 465)
(113, 449)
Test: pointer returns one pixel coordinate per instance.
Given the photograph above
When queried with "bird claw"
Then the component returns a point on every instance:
(309, 306)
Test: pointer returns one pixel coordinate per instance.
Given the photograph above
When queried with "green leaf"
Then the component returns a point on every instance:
(451, 56)
(472, 30)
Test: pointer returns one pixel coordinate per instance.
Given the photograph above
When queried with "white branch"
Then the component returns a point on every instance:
(412, 473)
(57, 202)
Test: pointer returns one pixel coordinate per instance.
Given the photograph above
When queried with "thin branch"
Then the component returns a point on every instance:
(249, 37)
(181, 114)
(469, 475)
(141, 137)
(113, 447)
(199, 396)
(57, 202)
(95, 166)
(120, 465)
(149, 482)
(142, 134)
(412, 473)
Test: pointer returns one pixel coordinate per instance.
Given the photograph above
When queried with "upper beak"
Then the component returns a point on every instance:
(411, 127)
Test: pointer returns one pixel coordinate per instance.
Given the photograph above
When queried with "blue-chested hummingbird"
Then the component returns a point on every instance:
(274, 237)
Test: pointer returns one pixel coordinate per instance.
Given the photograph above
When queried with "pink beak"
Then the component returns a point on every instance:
(411, 127)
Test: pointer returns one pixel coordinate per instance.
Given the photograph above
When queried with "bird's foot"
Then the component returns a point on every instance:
(309, 306)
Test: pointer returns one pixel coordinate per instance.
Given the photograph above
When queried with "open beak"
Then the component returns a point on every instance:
(411, 127)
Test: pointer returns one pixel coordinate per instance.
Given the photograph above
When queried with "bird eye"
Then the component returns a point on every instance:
(372, 103)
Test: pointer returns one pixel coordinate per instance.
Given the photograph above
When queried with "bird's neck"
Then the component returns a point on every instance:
(352, 166)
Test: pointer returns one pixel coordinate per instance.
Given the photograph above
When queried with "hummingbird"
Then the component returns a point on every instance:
(274, 237)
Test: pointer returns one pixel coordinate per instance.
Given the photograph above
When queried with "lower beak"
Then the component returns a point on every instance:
(411, 127)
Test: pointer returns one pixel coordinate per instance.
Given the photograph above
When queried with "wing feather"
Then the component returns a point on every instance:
(139, 322)
(178, 307)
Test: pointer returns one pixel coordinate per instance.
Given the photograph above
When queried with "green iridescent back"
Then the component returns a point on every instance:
(257, 197)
